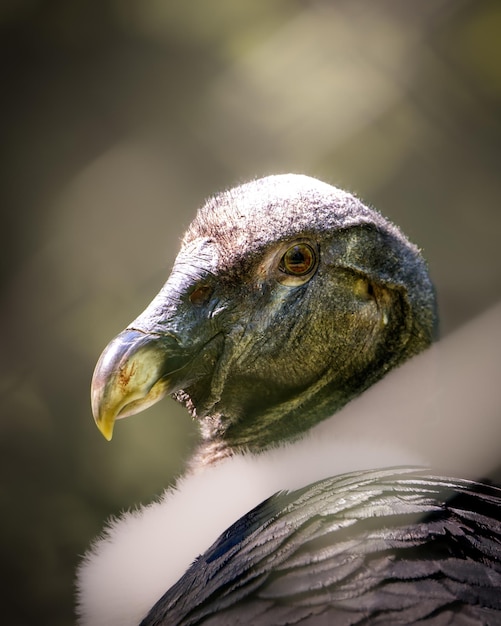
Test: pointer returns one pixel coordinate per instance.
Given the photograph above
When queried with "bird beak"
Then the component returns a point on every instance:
(135, 370)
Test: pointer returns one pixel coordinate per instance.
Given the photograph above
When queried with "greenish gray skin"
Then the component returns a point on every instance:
(259, 355)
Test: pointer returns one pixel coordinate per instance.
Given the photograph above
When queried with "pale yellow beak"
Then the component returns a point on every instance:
(132, 373)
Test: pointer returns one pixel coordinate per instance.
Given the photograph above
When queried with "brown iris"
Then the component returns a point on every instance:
(298, 260)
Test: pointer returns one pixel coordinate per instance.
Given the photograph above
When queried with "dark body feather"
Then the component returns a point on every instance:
(288, 299)
(396, 546)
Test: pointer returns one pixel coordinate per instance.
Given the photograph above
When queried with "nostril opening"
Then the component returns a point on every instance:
(200, 295)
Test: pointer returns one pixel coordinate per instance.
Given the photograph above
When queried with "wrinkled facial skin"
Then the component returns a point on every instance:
(247, 340)
(278, 340)
(286, 344)
(263, 336)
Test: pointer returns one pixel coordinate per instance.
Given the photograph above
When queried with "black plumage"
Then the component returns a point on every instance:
(288, 299)
(397, 546)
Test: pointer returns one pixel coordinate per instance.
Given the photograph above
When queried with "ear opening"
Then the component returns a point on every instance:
(393, 265)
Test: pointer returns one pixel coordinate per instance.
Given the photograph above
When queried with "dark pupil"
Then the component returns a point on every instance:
(298, 260)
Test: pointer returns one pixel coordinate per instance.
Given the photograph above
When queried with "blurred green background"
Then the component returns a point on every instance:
(119, 118)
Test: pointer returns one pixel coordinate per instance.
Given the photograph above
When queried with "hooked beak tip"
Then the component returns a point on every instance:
(106, 428)
(130, 376)
(103, 411)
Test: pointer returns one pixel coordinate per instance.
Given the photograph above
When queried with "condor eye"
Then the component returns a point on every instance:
(299, 260)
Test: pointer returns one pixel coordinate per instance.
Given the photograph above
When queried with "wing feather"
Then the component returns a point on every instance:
(394, 546)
